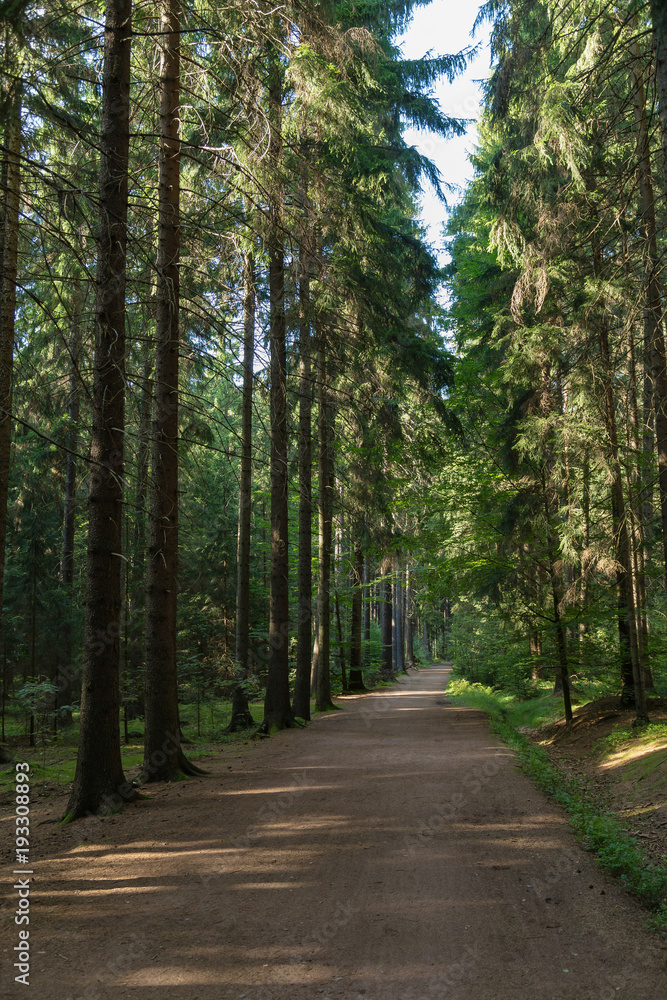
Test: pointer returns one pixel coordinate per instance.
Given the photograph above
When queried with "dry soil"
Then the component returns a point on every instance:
(390, 851)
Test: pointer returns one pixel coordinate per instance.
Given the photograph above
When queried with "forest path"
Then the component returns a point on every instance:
(390, 851)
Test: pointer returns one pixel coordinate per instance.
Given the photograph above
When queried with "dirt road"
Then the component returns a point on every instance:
(390, 851)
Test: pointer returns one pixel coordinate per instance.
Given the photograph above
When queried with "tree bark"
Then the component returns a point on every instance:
(561, 643)
(241, 717)
(99, 783)
(409, 618)
(9, 234)
(341, 643)
(356, 682)
(163, 756)
(367, 613)
(325, 503)
(277, 708)
(632, 681)
(301, 702)
(398, 587)
(387, 668)
(654, 335)
(64, 676)
(659, 21)
(136, 579)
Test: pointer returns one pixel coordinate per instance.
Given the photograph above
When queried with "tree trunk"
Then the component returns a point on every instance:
(366, 654)
(562, 684)
(632, 681)
(356, 675)
(387, 669)
(163, 756)
(64, 676)
(9, 234)
(652, 292)
(301, 702)
(241, 717)
(398, 587)
(277, 709)
(659, 21)
(136, 596)
(561, 645)
(341, 643)
(99, 783)
(325, 503)
(409, 618)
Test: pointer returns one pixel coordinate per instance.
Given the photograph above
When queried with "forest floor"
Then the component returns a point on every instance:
(625, 768)
(389, 851)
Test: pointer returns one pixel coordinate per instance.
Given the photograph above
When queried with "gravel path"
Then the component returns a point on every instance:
(390, 851)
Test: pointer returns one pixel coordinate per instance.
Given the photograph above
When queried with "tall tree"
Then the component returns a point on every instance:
(301, 701)
(323, 700)
(99, 782)
(163, 756)
(277, 708)
(9, 235)
(356, 682)
(241, 717)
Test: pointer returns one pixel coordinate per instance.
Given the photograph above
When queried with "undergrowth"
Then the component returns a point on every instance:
(600, 832)
(621, 736)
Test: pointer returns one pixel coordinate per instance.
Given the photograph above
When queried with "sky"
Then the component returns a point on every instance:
(443, 27)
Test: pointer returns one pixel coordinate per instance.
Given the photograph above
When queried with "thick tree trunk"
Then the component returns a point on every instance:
(99, 783)
(163, 756)
(241, 717)
(325, 504)
(301, 702)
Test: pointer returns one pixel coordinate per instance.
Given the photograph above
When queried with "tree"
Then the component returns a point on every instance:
(277, 708)
(241, 717)
(301, 702)
(99, 782)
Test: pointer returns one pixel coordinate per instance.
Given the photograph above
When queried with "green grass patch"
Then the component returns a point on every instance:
(53, 759)
(528, 713)
(600, 832)
(626, 737)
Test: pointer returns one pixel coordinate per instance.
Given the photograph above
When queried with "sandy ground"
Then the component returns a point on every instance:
(390, 851)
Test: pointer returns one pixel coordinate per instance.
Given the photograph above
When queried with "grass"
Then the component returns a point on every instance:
(522, 714)
(624, 737)
(53, 760)
(600, 832)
